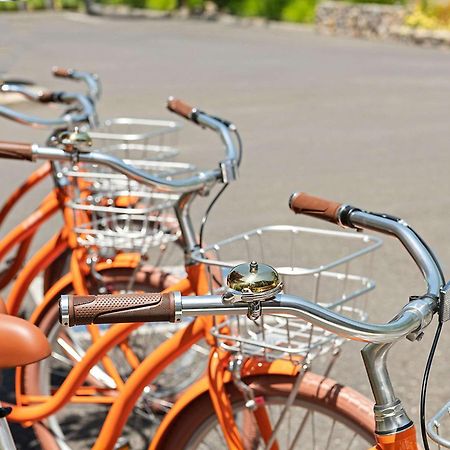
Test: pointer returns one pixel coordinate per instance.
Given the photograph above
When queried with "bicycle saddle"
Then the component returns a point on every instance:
(21, 342)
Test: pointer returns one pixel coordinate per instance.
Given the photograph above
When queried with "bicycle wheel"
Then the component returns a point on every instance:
(76, 426)
(323, 415)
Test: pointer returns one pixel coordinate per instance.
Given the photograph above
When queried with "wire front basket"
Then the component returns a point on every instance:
(114, 213)
(298, 254)
(144, 139)
(438, 431)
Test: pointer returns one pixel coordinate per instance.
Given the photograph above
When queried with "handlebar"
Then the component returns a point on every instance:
(226, 172)
(87, 108)
(92, 80)
(223, 127)
(352, 217)
(413, 317)
(83, 310)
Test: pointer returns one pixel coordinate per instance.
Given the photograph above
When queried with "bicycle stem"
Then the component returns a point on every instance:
(390, 416)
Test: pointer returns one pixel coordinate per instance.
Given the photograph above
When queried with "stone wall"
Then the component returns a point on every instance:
(375, 21)
(364, 20)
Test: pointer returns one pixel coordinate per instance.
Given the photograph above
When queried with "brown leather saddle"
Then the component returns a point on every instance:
(21, 342)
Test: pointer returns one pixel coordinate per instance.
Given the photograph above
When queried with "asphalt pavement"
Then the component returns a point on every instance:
(362, 122)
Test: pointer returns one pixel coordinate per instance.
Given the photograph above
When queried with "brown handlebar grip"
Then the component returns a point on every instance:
(16, 150)
(61, 72)
(302, 203)
(46, 97)
(84, 310)
(179, 107)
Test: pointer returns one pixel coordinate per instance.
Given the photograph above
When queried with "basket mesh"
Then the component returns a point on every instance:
(331, 268)
(114, 213)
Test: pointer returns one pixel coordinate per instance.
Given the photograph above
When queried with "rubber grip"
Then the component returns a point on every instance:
(46, 97)
(16, 150)
(61, 72)
(84, 310)
(303, 203)
(180, 108)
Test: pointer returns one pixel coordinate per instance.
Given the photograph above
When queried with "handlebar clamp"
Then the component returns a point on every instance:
(228, 170)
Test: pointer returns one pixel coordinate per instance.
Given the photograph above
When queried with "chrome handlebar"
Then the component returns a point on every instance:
(87, 114)
(185, 185)
(90, 79)
(417, 249)
(226, 172)
(413, 317)
(409, 320)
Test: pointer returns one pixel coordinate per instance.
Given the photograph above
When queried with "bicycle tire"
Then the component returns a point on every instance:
(316, 393)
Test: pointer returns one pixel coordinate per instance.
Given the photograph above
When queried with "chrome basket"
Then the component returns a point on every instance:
(435, 428)
(340, 282)
(144, 139)
(114, 213)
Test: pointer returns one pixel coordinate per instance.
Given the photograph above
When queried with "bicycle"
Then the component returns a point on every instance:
(136, 140)
(126, 262)
(197, 281)
(202, 415)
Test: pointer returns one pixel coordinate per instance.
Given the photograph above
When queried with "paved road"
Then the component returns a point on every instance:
(357, 121)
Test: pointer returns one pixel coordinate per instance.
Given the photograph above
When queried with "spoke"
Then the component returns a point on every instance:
(219, 435)
(313, 429)
(199, 349)
(299, 431)
(96, 372)
(289, 426)
(288, 404)
(61, 358)
(351, 441)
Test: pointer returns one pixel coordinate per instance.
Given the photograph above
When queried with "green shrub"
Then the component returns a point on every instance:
(69, 4)
(8, 6)
(289, 10)
(299, 11)
(160, 5)
(195, 5)
(36, 4)
(246, 8)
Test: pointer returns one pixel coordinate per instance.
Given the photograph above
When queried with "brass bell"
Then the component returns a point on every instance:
(253, 282)
(75, 139)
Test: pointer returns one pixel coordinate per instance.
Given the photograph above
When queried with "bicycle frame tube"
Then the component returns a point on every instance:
(115, 335)
(19, 258)
(29, 226)
(38, 175)
(404, 440)
(158, 360)
(39, 262)
(23, 233)
(109, 339)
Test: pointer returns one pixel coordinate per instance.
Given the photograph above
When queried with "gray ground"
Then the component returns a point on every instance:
(355, 121)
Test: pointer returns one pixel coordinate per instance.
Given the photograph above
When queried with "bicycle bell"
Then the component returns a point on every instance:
(76, 139)
(252, 282)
